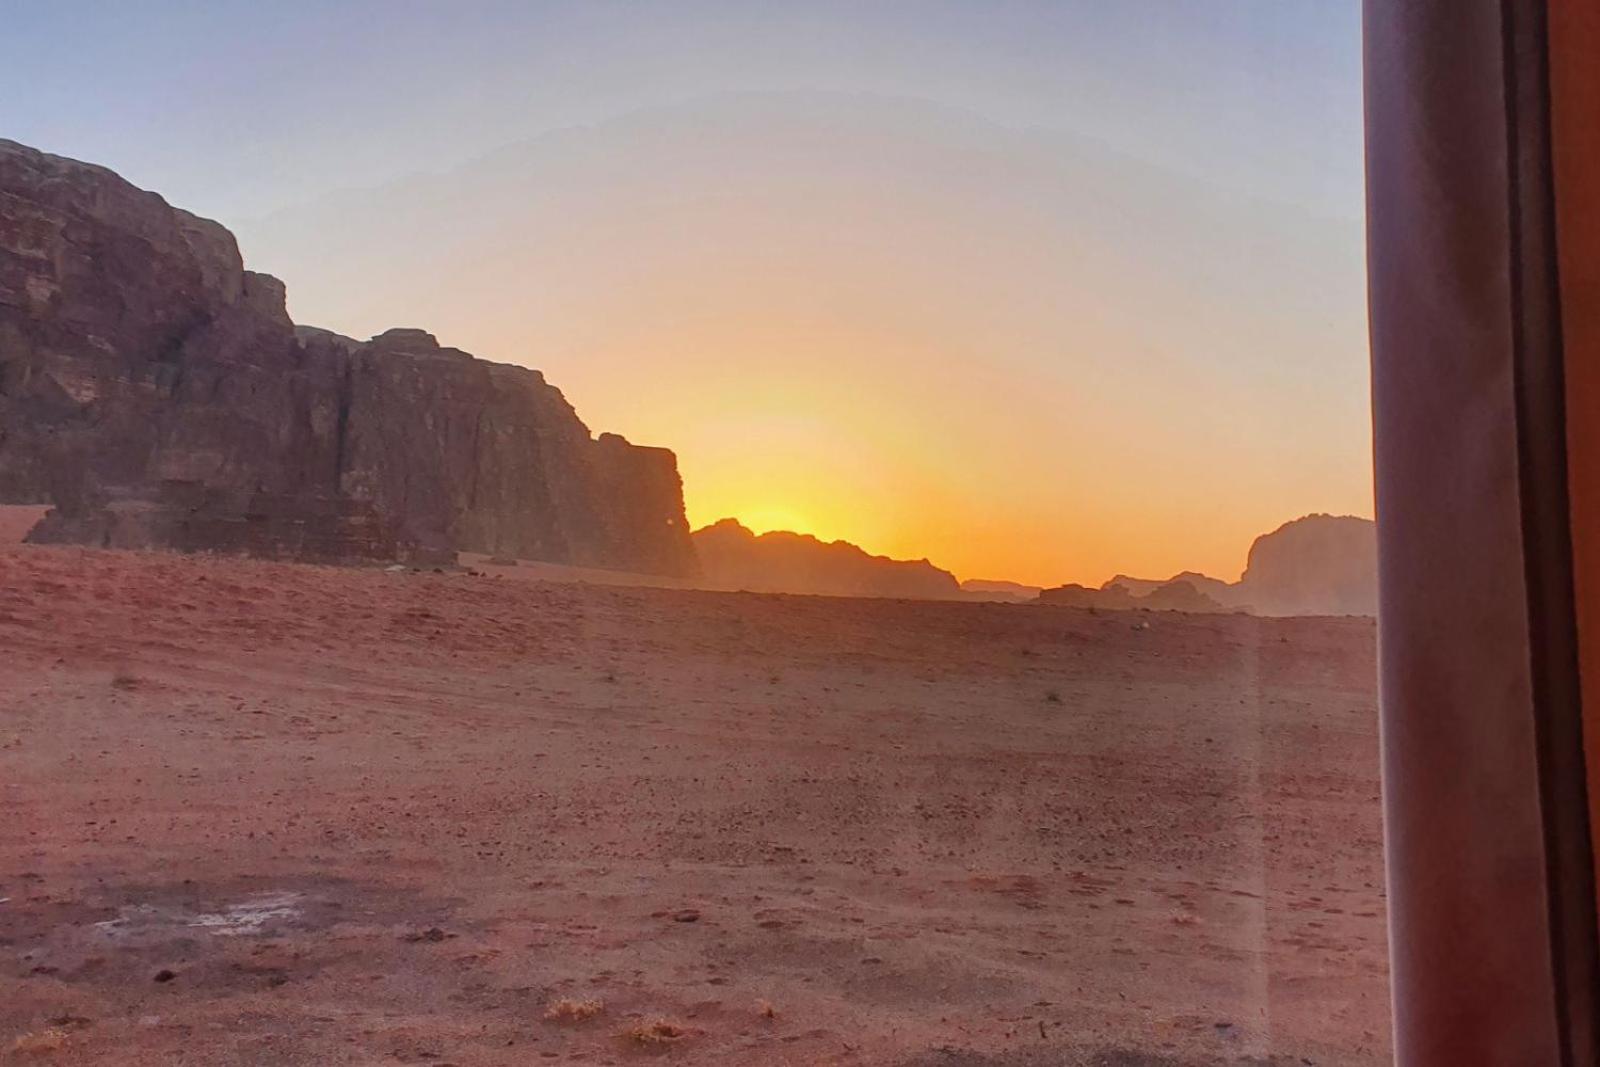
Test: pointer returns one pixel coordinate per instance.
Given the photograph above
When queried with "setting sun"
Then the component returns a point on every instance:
(835, 312)
(763, 519)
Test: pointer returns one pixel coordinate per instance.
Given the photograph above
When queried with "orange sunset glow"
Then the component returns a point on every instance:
(1066, 305)
(894, 324)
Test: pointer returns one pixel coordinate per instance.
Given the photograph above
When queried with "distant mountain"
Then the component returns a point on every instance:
(732, 557)
(1074, 595)
(989, 589)
(1122, 594)
(1224, 593)
(1314, 565)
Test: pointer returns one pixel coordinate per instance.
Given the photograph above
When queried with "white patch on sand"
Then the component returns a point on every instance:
(247, 916)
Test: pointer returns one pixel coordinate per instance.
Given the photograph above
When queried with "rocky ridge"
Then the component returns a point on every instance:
(733, 557)
(158, 395)
(1313, 565)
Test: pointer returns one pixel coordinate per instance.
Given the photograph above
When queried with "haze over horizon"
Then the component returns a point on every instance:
(1041, 292)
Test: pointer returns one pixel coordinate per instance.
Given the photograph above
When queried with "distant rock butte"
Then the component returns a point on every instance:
(1315, 565)
(732, 557)
(157, 394)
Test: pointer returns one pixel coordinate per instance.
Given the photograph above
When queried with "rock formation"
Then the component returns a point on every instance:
(157, 394)
(1121, 594)
(1224, 593)
(1000, 590)
(1315, 565)
(732, 557)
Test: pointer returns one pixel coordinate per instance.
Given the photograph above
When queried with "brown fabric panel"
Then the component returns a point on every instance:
(1575, 110)
(1473, 972)
(1547, 534)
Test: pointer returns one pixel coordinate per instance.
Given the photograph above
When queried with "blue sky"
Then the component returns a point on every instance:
(241, 107)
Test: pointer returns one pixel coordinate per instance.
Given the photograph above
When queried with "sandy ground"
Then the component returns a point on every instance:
(274, 814)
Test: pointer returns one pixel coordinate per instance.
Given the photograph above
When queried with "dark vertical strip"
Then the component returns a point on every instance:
(1538, 378)
(1465, 821)
(1574, 42)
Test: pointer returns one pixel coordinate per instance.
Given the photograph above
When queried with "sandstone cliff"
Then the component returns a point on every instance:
(1315, 565)
(732, 557)
(157, 394)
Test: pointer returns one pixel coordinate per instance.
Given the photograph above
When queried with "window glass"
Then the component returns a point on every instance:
(759, 534)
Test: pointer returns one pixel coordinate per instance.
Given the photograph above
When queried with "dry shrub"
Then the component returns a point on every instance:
(40, 1042)
(656, 1032)
(124, 680)
(568, 1010)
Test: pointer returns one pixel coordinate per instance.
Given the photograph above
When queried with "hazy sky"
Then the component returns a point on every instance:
(1038, 290)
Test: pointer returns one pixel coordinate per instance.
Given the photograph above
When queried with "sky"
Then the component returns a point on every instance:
(1045, 291)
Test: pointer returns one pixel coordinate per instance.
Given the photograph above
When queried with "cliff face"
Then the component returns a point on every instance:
(490, 458)
(157, 394)
(732, 557)
(1316, 565)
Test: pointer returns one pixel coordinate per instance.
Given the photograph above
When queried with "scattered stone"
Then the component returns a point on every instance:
(572, 1010)
(656, 1032)
(40, 1042)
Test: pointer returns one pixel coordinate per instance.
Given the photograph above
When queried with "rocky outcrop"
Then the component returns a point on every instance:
(732, 557)
(1180, 594)
(1123, 594)
(1224, 593)
(157, 394)
(1316, 565)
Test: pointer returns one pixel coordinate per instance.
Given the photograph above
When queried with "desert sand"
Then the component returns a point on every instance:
(264, 813)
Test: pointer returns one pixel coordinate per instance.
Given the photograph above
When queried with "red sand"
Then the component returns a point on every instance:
(277, 814)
